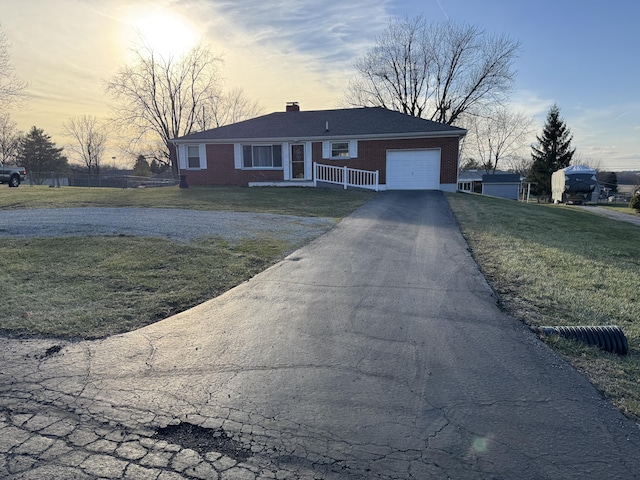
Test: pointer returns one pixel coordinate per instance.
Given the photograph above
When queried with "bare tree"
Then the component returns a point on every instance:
(163, 97)
(395, 74)
(519, 164)
(434, 71)
(90, 140)
(230, 107)
(11, 87)
(499, 133)
(591, 162)
(9, 140)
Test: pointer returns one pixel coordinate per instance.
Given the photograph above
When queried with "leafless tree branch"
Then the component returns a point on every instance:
(497, 134)
(163, 97)
(9, 140)
(434, 71)
(12, 88)
(90, 138)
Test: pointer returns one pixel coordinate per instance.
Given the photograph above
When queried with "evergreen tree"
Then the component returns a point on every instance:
(40, 156)
(141, 168)
(155, 166)
(552, 153)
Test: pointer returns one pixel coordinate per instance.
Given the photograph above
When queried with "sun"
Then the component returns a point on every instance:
(167, 33)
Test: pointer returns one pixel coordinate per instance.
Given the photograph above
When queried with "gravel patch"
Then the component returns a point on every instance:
(175, 224)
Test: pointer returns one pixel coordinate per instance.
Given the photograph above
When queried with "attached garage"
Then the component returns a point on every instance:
(413, 169)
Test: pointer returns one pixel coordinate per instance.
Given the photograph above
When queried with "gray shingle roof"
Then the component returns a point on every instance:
(503, 178)
(352, 123)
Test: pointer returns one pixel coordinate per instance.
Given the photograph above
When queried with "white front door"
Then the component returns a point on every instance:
(297, 161)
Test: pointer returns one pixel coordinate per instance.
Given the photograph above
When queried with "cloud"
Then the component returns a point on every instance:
(289, 50)
(332, 32)
(529, 103)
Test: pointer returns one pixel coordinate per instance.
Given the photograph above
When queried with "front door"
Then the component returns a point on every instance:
(297, 162)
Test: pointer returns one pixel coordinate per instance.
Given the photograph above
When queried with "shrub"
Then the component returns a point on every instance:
(635, 202)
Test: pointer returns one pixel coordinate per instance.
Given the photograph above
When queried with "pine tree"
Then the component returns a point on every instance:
(141, 168)
(40, 156)
(552, 153)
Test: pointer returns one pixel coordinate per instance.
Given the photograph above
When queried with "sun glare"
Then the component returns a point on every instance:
(167, 33)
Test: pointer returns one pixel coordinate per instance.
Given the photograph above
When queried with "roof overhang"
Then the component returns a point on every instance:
(319, 138)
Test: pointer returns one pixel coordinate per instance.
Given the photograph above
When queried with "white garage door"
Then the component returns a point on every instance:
(413, 170)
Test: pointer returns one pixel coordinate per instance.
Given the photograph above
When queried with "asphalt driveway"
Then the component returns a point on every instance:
(376, 351)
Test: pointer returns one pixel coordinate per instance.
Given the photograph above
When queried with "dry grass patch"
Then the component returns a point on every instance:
(98, 286)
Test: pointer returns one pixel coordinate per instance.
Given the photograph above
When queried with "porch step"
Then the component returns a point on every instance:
(292, 183)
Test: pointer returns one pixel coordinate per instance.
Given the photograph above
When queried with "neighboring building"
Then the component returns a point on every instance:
(470, 181)
(506, 185)
(499, 184)
(301, 148)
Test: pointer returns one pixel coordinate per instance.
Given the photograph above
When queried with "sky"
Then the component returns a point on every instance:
(583, 55)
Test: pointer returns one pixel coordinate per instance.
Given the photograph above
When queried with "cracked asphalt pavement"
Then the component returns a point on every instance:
(377, 351)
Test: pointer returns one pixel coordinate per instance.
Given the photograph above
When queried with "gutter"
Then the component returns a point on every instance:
(387, 136)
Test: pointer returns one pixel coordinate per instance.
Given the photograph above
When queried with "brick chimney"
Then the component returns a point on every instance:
(293, 107)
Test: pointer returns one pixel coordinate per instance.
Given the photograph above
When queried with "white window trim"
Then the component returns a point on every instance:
(238, 155)
(327, 149)
(308, 161)
(183, 157)
(286, 161)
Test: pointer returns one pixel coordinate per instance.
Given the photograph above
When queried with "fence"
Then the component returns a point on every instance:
(109, 180)
(348, 177)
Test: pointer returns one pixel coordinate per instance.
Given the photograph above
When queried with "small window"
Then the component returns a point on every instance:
(193, 156)
(339, 149)
(262, 156)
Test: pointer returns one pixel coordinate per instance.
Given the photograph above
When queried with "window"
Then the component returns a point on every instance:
(339, 149)
(464, 186)
(262, 156)
(193, 156)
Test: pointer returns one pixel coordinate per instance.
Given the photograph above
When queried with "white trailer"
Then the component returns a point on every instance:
(573, 184)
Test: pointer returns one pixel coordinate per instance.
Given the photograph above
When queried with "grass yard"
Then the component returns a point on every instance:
(98, 286)
(306, 202)
(558, 265)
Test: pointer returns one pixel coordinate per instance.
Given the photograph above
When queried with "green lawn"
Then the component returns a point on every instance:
(558, 265)
(310, 202)
(97, 286)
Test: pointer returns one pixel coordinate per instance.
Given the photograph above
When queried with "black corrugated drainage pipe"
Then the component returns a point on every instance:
(608, 337)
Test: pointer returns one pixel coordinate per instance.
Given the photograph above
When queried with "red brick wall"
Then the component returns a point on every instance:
(372, 155)
(221, 170)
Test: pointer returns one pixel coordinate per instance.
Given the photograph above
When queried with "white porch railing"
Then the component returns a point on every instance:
(348, 177)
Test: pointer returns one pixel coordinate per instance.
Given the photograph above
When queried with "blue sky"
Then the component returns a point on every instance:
(583, 55)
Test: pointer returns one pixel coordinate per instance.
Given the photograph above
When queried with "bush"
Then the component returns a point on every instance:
(635, 202)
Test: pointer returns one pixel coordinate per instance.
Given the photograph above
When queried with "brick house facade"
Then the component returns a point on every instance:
(283, 147)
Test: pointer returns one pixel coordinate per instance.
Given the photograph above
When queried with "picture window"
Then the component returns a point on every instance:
(262, 156)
